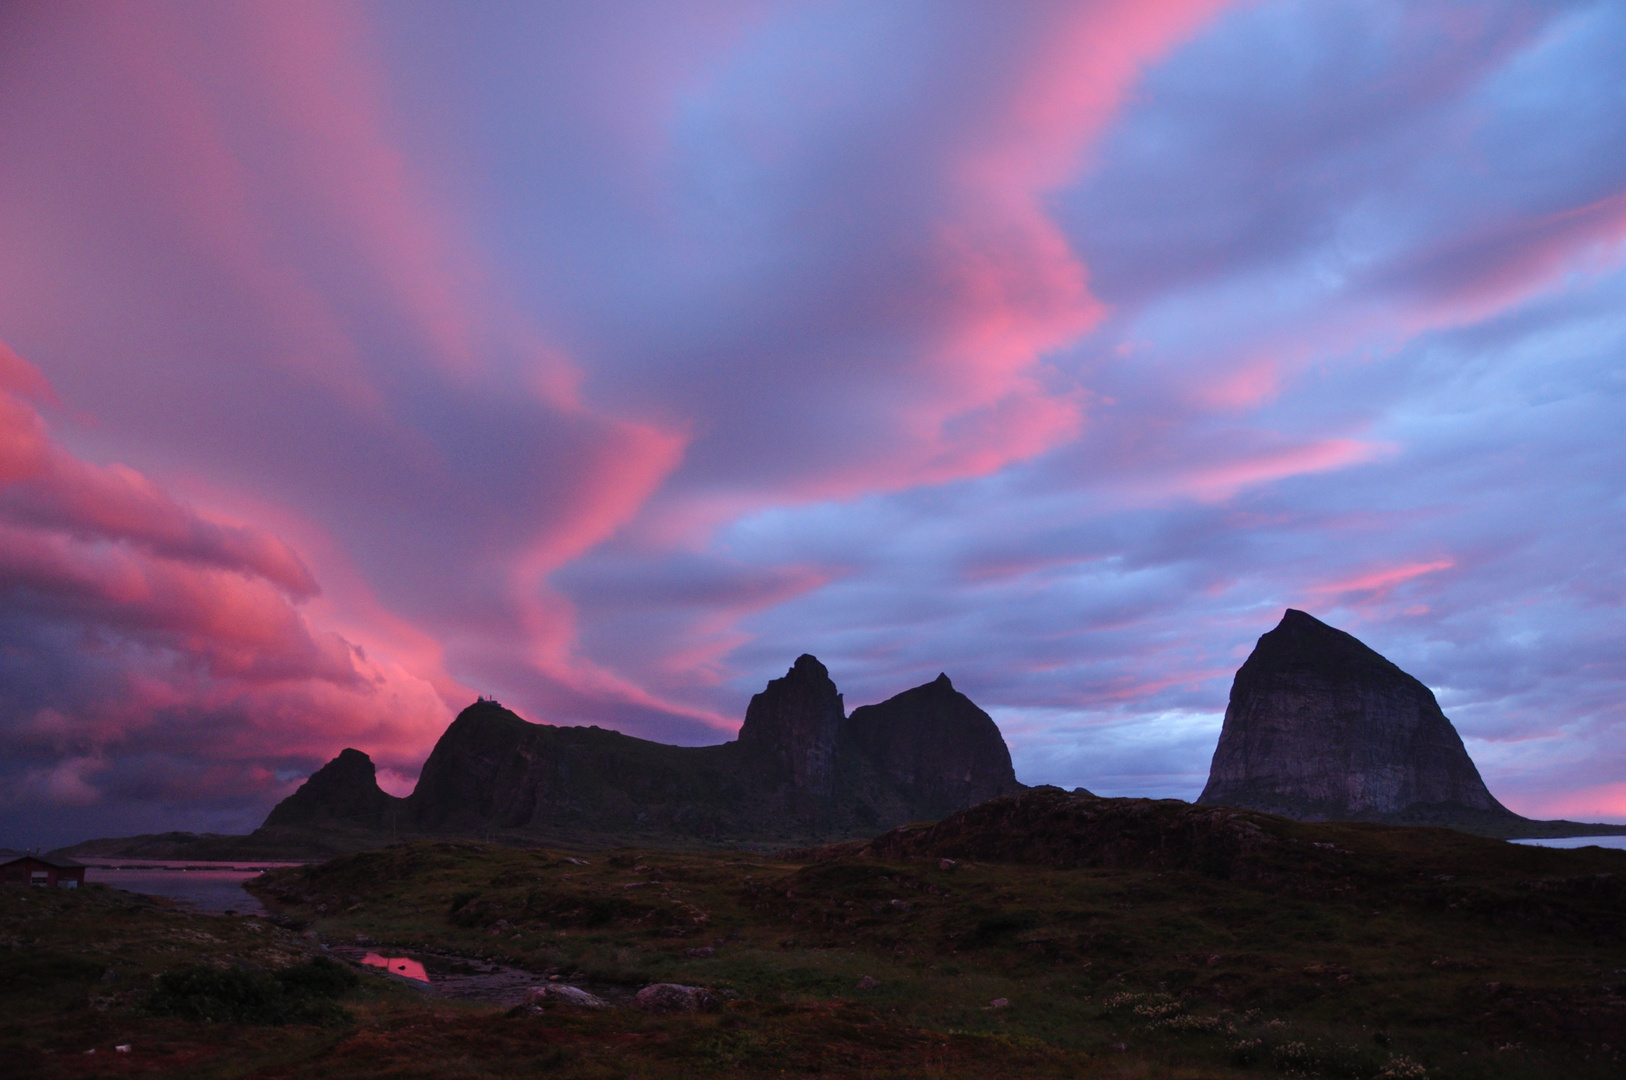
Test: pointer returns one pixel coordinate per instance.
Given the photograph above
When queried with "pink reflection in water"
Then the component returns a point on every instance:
(397, 965)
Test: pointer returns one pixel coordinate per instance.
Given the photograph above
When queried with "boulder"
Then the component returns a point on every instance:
(561, 994)
(675, 998)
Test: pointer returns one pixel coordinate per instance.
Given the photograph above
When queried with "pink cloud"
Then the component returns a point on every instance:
(948, 350)
(126, 93)
(274, 160)
(1591, 802)
(1469, 277)
(42, 486)
(1219, 482)
(710, 638)
(24, 379)
(1462, 279)
(171, 615)
(1013, 287)
(1125, 689)
(1381, 582)
(312, 65)
(1245, 386)
(1084, 60)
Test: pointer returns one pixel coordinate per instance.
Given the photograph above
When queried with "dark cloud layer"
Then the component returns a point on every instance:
(369, 357)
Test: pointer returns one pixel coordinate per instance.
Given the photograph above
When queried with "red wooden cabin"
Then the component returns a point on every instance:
(44, 871)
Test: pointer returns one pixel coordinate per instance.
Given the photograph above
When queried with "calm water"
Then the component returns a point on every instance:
(206, 886)
(404, 966)
(453, 976)
(1579, 841)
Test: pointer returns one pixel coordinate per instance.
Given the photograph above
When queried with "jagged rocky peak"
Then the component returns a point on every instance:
(800, 767)
(1320, 727)
(935, 741)
(796, 723)
(345, 790)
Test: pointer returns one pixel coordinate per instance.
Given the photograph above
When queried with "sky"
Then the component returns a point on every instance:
(360, 359)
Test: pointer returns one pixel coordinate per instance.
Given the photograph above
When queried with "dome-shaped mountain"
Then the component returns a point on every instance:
(935, 741)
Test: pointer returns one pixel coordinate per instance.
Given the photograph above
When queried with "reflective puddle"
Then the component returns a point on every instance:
(461, 977)
(397, 965)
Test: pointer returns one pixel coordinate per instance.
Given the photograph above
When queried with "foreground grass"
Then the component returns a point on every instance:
(1345, 951)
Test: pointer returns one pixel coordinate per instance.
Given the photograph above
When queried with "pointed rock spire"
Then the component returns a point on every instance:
(794, 723)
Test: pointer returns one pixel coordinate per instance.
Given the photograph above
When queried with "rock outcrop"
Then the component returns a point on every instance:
(538, 997)
(1320, 728)
(1046, 826)
(800, 768)
(676, 998)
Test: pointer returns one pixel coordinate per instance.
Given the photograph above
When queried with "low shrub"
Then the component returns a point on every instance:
(997, 928)
(319, 978)
(303, 994)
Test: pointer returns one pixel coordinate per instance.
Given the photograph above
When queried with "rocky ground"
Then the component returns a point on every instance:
(1047, 935)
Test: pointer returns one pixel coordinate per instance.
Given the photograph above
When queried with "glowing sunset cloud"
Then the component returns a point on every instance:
(1381, 581)
(193, 669)
(362, 358)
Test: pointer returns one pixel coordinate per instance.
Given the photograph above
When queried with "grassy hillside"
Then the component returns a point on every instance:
(1143, 939)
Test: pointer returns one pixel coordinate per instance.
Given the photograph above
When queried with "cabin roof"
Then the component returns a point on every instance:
(58, 861)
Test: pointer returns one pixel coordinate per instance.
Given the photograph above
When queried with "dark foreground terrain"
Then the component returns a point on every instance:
(1045, 935)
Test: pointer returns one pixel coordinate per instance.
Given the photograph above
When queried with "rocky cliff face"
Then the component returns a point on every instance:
(1320, 727)
(344, 791)
(801, 768)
